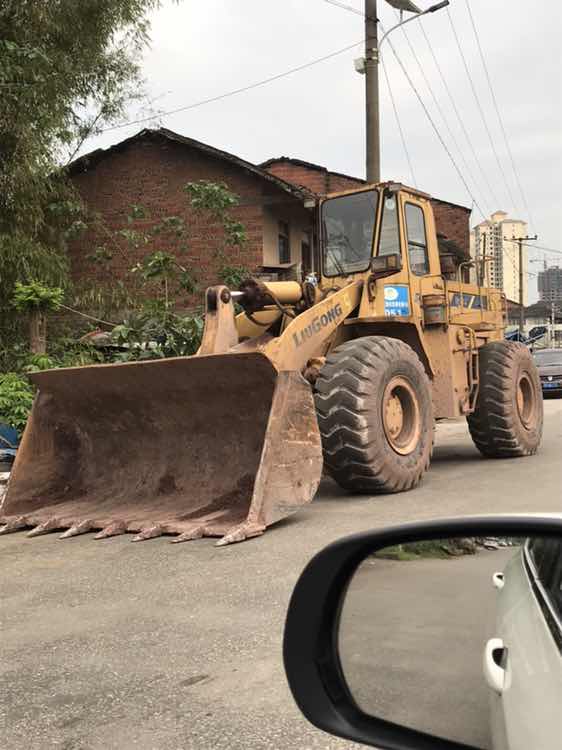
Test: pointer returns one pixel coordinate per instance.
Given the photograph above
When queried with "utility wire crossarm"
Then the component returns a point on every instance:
(520, 241)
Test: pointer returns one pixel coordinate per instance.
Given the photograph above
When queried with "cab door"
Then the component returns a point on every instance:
(420, 244)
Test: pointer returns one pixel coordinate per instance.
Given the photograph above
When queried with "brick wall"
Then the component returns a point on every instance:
(454, 222)
(317, 179)
(152, 172)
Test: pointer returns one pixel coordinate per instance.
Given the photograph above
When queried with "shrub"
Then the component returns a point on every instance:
(16, 399)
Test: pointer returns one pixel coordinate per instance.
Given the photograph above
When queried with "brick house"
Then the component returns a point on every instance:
(151, 170)
(278, 201)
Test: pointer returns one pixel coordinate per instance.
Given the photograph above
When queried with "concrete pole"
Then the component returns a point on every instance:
(372, 122)
(520, 241)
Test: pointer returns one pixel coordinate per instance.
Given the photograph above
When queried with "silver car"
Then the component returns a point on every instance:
(523, 665)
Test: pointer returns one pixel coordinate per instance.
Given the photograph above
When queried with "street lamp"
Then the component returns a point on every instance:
(369, 65)
(418, 14)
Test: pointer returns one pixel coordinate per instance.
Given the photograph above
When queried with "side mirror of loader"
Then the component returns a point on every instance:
(400, 639)
(386, 265)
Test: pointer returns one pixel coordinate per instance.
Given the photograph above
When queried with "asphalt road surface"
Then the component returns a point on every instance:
(171, 647)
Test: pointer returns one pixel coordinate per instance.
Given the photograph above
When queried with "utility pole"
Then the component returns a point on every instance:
(520, 241)
(369, 66)
(372, 122)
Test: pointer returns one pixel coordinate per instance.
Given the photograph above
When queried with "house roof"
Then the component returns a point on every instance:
(309, 165)
(319, 168)
(91, 160)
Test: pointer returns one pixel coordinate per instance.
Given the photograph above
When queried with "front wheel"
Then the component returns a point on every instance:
(508, 418)
(373, 401)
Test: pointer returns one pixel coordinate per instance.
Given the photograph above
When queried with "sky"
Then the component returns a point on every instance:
(200, 50)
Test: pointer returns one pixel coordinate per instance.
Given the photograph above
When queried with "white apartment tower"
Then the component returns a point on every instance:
(492, 238)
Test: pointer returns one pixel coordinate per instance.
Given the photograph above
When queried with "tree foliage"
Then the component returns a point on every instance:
(16, 398)
(35, 296)
(67, 69)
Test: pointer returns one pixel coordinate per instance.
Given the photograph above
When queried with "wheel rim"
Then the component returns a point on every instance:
(526, 401)
(401, 416)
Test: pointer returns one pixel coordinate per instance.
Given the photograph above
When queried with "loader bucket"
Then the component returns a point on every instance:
(218, 445)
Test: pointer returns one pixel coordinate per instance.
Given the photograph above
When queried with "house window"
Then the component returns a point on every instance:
(284, 242)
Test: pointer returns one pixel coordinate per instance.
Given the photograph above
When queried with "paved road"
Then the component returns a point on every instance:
(112, 645)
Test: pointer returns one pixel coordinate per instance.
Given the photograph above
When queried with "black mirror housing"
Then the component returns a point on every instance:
(310, 647)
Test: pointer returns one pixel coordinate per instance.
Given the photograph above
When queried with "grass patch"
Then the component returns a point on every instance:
(442, 549)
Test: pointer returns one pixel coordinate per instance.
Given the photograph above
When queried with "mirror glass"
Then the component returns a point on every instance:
(459, 638)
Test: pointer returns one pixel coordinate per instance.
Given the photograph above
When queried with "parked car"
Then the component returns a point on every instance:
(523, 665)
(549, 363)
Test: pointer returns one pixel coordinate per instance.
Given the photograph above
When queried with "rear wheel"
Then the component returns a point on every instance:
(508, 418)
(373, 402)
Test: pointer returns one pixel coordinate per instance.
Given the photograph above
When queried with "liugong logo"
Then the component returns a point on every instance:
(317, 324)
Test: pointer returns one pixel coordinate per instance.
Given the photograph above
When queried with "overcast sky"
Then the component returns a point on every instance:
(204, 49)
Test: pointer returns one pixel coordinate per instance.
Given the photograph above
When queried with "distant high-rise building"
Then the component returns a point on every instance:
(492, 238)
(550, 284)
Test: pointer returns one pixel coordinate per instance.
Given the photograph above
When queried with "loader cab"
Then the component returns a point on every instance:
(378, 231)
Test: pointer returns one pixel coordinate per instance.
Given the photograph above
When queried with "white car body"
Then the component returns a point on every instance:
(523, 664)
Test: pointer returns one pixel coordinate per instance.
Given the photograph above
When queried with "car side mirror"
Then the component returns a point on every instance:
(402, 638)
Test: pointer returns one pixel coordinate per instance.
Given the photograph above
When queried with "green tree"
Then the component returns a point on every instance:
(37, 300)
(67, 69)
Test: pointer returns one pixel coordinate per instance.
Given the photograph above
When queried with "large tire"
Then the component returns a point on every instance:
(375, 413)
(508, 418)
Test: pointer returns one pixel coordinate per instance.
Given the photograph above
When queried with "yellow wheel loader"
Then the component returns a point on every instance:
(348, 371)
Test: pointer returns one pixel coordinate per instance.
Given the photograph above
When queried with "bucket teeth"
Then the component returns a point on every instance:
(240, 533)
(79, 528)
(152, 532)
(15, 524)
(44, 528)
(188, 536)
(114, 529)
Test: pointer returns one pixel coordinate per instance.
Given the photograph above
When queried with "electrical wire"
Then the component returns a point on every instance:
(422, 103)
(480, 108)
(457, 114)
(500, 118)
(546, 249)
(434, 126)
(437, 105)
(400, 130)
(350, 8)
(234, 92)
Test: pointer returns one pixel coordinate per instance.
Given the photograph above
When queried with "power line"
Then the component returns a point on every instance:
(234, 92)
(421, 101)
(400, 130)
(546, 249)
(437, 105)
(479, 105)
(434, 126)
(349, 8)
(500, 118)
(456, 111)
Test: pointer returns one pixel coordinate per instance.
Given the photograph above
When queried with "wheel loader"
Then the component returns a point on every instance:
(347, 371)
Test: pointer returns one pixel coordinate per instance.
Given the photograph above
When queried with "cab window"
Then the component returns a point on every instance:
(417, 240)
(348, 224)
(389, 240)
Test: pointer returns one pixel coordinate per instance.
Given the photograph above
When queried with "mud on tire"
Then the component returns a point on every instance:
(375, 414)
(508, 419)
